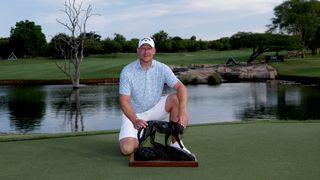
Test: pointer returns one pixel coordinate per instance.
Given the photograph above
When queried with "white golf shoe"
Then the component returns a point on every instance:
(176, 145)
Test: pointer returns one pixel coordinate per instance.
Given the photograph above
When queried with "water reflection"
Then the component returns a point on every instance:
(292, 98)
(281, 101)
(26, 108)
(70, 108)
(88, 108)
(58, 108)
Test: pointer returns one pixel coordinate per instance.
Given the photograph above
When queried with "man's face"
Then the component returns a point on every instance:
(146, 53)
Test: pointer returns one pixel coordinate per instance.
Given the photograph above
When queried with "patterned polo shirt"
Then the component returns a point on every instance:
(145, 87)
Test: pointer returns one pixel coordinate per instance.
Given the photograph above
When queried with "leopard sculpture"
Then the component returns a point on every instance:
(160, 151)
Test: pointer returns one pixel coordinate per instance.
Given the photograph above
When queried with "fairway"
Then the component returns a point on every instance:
(105, 66)
(110, 65)
(255, 150)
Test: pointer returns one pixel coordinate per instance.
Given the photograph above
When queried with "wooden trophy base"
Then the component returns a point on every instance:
(161, 163)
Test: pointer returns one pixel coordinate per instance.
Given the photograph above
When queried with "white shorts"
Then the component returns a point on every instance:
(158, 112)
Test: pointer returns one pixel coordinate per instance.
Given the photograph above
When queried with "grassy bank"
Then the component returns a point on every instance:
(105, 66)
(259, 150)
(307, 67)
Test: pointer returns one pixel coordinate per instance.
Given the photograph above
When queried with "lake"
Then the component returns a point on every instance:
(56, 108)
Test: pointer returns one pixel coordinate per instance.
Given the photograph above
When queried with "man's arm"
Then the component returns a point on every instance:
(183, 100)
(127, 109)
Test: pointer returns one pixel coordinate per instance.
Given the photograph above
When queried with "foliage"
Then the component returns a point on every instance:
(263, 42)
(297, 18)
(214, 79)
(161, 38)
(27, 39)
(301, 18)
(58, 48)
(220, 44)
(92, 44)
(4, 48)
(120, 39)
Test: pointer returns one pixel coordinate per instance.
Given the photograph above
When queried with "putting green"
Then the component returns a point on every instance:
(258, 150)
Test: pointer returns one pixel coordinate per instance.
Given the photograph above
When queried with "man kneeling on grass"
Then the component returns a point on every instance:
(141, 100)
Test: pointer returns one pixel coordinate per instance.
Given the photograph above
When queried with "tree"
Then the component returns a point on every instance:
(131, 46)
(110, 46)
(178, 44)
(192, 45)
(92, 44)
(264, 42)
(121, 40)
(27, 39)
(77, 21)
(298, 17)
(221, 44)
(4, 48)
(161, 40)
(58, 48)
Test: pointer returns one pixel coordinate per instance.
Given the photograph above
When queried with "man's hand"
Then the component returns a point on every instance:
(183, 117)
(139, 123)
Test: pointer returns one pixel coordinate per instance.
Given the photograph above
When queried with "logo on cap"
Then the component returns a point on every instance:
(146, 40)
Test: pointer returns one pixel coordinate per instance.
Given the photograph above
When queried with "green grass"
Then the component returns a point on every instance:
(307, 67)
(43, 69)
(258, 150)
(104, 66)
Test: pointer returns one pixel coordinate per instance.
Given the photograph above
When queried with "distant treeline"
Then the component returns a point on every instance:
(296, 26)
(32, 43)
(27, 40)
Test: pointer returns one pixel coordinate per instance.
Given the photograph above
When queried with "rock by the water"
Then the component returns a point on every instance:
(200, 74)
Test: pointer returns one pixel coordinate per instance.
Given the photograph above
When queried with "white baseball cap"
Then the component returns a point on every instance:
(146, 40)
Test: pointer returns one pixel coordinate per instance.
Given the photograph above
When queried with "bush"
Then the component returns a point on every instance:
(189, 79)
(214, 79)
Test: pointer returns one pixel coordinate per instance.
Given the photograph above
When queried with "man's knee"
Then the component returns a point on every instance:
(128, 146)
(173, 101)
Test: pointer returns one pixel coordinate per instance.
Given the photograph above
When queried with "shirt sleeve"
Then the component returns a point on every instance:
(170, 78)
(124, 84)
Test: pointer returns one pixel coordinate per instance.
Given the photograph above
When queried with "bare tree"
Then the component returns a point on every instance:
(77, 18)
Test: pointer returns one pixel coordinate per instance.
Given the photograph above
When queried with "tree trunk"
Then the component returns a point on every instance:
(77, 26)
(76, 84)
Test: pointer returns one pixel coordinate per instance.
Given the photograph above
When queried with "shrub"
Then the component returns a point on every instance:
(214, 79)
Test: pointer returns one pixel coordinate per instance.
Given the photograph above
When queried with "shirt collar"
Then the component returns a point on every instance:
(138, 65)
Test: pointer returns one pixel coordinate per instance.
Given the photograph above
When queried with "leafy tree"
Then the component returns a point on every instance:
(27, 39)
(264, 42)
(298, 17)
(217, 45)
(58, 48)
(314, 44)
(225, 41)
(220, 44)
(111, 46)
(203, 45)
(92, 44)
(161, 40)
(131, 46)
(192, 45)
(4, 48)
(178, 44)
(120, 39)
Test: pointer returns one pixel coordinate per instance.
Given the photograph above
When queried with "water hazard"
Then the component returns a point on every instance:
(56, 108)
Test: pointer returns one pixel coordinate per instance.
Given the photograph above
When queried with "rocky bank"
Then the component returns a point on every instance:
(202, 73)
